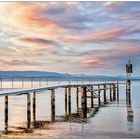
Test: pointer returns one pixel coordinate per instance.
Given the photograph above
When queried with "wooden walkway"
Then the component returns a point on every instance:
(97, 91)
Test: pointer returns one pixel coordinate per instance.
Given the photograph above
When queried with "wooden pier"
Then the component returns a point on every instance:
(101, 92)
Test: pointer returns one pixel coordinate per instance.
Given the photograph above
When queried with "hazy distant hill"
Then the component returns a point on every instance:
(29, 74)
(21, 74)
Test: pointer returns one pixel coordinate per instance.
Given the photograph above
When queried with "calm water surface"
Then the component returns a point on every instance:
(110, 121)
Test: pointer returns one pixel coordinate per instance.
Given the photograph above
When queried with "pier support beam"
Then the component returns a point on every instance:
(117, 86)
(77, 98)
(66, 101)
(110, 93)
(69, 101)
(84, 102)
(28, 111)
(53, 105)
(114, 92)
(99, 97)
(105, 93)
(34, 108)
(92, 102)
(128, 92)
(6, 115)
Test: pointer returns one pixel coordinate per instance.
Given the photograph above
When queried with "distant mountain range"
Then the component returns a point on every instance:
(66, 76)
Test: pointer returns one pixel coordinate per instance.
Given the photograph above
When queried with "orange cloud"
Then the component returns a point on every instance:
(90, 62)
(26, 19)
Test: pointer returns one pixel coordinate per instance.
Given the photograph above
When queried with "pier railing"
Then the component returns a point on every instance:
(30, 82)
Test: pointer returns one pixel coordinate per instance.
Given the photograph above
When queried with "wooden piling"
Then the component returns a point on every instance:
(77, 98)
(69, 100)
(105, 94)
(117, 86)
(66, 101)
(34, 107)
(84, 102)
(53, 105)
(99, 98)
(128, 93)
(110, 92)
(114, 92)
(92, 101)
(6, 114)
(28, 111)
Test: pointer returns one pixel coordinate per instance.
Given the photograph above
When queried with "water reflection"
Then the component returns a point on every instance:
(130, 113)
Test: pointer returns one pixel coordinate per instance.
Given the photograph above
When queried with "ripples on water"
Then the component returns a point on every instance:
(110, 121)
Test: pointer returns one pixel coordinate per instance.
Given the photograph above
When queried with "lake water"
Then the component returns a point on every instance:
(111, 121)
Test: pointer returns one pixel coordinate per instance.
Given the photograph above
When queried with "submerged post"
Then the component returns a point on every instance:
(65, 101)
(117, 86)
(128, 93)
(6, 114)
(110, 92)
(53, 105)
(77, 98)
(114, 92)
(129, 70)
(105, 93)
(99, 98)
(34, 107)
(69, 100)
(28, 111)
(84, 102)
(92, 101)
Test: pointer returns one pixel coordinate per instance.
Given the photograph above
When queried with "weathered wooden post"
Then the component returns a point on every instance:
(66, 101)
(92, 101)
(53, 105)
(99, 98)
(84, 102)
(28, 111)
(34, 107)
(6, 114)
(110, 92)
(105, 93)
(128, 93)
(69, 100)
(129, 70)
(114, 92)
(117, 86)
(77, 98)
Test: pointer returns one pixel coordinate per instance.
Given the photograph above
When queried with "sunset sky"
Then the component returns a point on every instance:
(70, 37)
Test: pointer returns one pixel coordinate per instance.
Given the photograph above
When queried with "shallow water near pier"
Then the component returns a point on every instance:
(111, 120)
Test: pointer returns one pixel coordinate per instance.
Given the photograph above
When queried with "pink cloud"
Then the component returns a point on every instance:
(37, 41)
(110, 58)
(97, 36)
